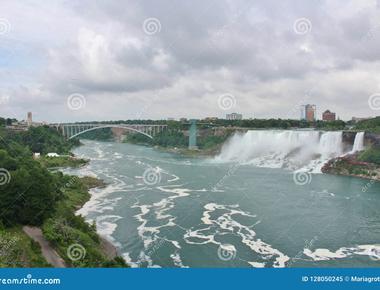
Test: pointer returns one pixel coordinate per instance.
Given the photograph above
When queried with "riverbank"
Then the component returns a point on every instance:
(351, 165)
(210, 152)
(76, 241)
(62, 161)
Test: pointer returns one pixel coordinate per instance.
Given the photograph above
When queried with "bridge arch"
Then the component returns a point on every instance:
(111, 126)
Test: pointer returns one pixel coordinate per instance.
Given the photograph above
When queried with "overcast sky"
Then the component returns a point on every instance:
(114, 59)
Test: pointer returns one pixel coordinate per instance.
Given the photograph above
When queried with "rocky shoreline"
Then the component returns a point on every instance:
(349, 165)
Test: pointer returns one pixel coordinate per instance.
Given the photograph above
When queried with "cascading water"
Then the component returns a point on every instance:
(359, 142)
(307, 150)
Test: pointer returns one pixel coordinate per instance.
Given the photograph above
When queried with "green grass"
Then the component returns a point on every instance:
(64, 161)
(18, 250)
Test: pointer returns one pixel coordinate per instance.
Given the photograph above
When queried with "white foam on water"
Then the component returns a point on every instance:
(99, 203)
(106, 225)
(372, 251)
(177, 260)
(126, 256)
(257, 264)
(225, 224)
(150, 234)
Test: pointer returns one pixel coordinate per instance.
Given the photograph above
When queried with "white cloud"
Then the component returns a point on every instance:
(203, 50)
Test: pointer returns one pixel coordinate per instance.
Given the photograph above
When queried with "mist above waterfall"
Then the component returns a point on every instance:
(307, 150)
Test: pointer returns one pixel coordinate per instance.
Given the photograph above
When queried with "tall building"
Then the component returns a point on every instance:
(328, 116)
(234, 116)
(308, 112)
(29, 119)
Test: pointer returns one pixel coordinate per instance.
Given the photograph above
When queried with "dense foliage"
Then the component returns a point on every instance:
(370, 125)
(61, 161)
(40, 139)
(245, 123)
(164, 139)
(211, 141)
(32, 195)
(371, 155)
(170, 139)
(104, 134)
(30, 192)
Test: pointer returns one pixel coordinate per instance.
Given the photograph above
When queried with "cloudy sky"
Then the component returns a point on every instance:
(115, 59)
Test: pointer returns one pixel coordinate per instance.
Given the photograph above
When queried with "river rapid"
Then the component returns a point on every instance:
(166, 210)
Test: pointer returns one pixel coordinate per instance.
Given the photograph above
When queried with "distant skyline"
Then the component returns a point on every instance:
(68, 61)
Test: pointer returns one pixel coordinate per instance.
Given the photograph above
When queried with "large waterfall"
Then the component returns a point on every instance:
(307, 150)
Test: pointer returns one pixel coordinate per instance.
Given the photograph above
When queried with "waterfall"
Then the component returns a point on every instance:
(292, 149)
(359, 142)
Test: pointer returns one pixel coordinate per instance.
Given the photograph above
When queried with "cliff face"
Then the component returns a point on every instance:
(372, 138)
(369, 138)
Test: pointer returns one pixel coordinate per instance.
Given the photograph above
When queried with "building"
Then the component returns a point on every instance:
(355, 119)
(234, 116)
(328, 116)
(210, 119)
(308, 112)
(52, 154)
(29, 119)
(18, 127)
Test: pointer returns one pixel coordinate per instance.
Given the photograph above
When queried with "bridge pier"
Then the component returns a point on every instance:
(193, 135)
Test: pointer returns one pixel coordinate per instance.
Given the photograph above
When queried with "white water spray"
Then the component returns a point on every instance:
(306, 150)
(359, 142)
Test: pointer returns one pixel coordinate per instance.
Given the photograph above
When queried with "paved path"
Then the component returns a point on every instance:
(48, 252)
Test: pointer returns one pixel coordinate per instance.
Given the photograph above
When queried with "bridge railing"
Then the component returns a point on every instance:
(73, 129)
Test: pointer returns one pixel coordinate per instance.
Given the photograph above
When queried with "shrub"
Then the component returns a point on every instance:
(371, 155)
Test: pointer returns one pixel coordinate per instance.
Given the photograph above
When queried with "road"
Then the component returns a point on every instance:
(48, 252)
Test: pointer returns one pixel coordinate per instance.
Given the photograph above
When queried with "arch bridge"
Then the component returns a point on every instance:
(72, 130)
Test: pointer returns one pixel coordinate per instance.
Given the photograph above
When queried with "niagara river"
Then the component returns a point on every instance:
(245, 207)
